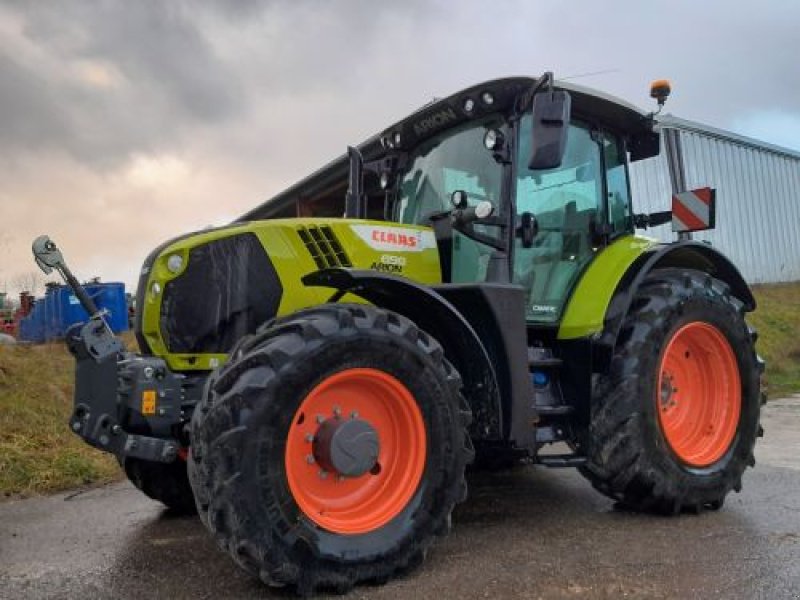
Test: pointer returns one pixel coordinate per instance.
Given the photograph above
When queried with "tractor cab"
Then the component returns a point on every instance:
(546, 221)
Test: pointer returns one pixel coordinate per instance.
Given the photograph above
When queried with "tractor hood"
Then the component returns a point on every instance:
(200, 293)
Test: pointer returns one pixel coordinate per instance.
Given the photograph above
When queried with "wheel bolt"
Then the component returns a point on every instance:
(354, 414)
(320, 419)
(310, 459)
(337, 412)
(323, 474)
(309, 437)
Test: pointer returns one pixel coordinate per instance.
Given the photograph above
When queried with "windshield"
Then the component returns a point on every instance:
(453, 160)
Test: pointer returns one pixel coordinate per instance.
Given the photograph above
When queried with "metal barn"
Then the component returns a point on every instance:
(758, 196)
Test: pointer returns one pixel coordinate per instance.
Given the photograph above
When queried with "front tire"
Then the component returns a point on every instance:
(294, 509)
(674, 422)
(167, 483)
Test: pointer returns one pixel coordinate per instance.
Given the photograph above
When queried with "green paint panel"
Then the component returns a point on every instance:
(297, 247)
(587, 307)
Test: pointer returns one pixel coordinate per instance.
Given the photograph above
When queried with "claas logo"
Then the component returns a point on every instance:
(397, 239)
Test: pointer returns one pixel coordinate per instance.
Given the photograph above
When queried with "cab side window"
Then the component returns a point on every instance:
(619, 202)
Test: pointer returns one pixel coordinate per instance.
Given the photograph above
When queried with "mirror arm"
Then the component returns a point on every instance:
(469, 232)
(545, 82)
(643, 221)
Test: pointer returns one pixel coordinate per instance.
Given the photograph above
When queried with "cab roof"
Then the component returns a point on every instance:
(499, 95)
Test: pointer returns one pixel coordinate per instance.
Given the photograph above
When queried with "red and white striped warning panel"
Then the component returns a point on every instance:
(694, 210)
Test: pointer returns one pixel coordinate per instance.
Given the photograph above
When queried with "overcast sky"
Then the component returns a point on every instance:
(126, 123)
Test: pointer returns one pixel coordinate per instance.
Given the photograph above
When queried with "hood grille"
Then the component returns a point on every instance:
(324, 247)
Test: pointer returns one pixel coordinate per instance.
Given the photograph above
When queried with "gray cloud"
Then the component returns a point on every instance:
(128, 122)
(29, 114)
(163, 78)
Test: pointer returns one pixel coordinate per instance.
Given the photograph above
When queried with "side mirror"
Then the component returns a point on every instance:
(551, 112)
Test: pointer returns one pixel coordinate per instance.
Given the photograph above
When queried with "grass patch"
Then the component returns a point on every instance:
(778, 322)
(38, 452)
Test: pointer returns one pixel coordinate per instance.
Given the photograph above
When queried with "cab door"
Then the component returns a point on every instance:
(568, 204)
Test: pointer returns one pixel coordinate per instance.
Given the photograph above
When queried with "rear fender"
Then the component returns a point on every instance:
(682, 254)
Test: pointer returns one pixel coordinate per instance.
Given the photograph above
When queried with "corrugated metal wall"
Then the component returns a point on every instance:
(758, 198)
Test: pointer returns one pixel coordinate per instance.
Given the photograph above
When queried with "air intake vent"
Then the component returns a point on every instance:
(323, 246)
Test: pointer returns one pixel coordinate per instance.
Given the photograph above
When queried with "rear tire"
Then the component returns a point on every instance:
(167, 483)
(665, 435)
(251, 488)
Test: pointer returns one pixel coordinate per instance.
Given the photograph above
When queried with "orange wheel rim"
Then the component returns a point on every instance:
(699, 394)
(386, 411)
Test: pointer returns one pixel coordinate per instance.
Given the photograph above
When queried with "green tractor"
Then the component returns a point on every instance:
(316, 386)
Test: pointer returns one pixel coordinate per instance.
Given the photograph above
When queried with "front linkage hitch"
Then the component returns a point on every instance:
(117, 392)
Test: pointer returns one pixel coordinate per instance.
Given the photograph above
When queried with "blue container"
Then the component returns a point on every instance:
(107, 296)
(52, 313)
(111, 296)
(24, 332)
(71, 310)
(60, 309)
(31, 327)
(44, 312)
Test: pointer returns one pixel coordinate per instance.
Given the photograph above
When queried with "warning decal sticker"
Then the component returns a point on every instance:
(149, 402)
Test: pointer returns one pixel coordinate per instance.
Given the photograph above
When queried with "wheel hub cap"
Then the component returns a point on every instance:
(346, 447)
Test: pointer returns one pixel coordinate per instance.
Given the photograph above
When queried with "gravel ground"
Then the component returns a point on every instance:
(529, 533)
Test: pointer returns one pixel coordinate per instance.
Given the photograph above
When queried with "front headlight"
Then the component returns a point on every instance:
(175, 263)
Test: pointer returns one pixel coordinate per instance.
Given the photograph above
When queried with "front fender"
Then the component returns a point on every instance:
(588, 305)
(438, 317)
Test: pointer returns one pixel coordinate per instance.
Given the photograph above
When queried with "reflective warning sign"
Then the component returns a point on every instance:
(694, 210)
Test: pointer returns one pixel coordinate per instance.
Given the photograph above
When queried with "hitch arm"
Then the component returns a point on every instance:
(96, 335)
(49, 257)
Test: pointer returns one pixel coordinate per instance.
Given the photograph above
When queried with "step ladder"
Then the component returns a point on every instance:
(549, 402)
